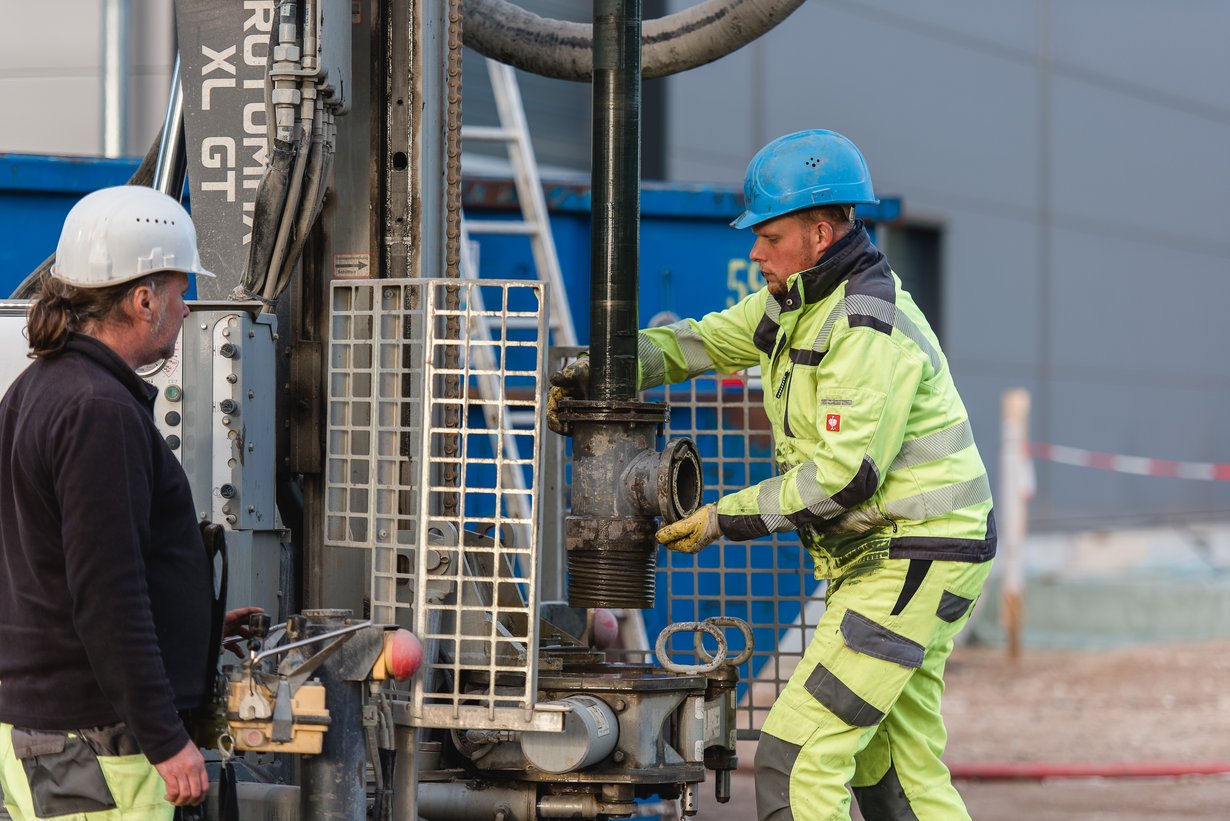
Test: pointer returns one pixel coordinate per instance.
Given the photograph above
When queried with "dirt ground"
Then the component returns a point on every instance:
(1144, 705)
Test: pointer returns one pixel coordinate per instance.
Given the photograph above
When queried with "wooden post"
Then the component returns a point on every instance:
(1015, 488)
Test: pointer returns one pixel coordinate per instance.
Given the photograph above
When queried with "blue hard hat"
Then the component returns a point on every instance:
(800, 170)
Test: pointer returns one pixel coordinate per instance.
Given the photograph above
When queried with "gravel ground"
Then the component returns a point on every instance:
(1152, 704)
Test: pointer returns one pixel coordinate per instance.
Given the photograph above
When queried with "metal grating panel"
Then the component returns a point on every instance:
(375, 415)
(767, 582)
(429, 469)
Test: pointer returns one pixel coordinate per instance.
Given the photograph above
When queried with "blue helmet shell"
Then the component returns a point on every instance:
(800, 170)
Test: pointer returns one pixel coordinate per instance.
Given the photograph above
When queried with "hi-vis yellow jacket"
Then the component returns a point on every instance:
(873, 444)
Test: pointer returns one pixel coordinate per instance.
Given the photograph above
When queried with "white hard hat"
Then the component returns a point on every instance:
(123, 233)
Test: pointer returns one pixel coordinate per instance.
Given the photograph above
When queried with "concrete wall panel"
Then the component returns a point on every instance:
(1123, 164)
(69, 126)
(1172, 52)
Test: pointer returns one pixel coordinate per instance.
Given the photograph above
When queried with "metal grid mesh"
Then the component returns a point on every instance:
(424, 375)
(767, 582)
(375, 414)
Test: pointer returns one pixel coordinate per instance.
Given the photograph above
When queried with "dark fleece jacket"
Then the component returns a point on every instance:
(104, 585)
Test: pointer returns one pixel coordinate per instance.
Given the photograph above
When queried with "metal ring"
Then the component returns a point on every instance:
(727, 621)
(697, 627)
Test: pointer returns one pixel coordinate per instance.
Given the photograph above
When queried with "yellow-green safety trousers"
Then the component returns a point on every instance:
(863, 707)
(69, 777)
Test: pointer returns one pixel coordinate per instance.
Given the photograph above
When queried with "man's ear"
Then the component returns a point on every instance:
(825, 234)
(141, 302)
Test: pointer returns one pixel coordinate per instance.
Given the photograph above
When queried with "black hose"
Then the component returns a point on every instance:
(266, 215)
(555, 48)
(286, 220)
(319, 166)
(382, 808)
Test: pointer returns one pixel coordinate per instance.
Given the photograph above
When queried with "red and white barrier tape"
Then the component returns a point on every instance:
(1139, 465)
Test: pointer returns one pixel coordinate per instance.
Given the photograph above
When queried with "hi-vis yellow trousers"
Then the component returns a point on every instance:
(71, 776)
(863, 707)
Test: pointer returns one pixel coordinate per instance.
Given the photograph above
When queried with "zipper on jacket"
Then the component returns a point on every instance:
(782, 386)
(785, 386)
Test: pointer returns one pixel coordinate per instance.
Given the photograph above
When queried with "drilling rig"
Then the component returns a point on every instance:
(363, 416)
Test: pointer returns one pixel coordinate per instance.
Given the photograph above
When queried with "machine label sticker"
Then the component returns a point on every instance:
(833, 422)
(351, 266)
(604, 726)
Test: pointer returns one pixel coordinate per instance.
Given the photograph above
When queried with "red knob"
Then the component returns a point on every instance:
(606, 629)
(402, 656)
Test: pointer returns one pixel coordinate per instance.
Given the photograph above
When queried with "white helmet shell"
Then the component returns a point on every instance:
(123, 233)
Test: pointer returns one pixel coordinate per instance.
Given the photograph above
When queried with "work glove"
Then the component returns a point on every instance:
(569, 382)
(689, 535)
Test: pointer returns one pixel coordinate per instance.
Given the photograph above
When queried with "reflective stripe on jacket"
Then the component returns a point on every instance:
(872, 441)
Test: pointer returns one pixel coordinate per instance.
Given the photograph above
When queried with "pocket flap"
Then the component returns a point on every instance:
(865, 636)
(112, 740)
(32, 743)
(952, 607)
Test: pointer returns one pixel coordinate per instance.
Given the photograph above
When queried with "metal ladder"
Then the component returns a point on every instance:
(514, 132)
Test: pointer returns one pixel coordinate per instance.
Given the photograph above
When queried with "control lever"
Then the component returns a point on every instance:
(258, 626)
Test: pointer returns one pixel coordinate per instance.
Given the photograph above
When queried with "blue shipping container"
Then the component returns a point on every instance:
(692, 262)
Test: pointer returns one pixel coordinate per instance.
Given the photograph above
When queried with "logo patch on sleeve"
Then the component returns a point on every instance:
(832, 422)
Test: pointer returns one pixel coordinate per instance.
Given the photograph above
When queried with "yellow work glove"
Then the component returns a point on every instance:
(569, 382)
(691, 534)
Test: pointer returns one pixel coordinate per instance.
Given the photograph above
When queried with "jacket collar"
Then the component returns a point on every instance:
(96, 351)
(849, 255)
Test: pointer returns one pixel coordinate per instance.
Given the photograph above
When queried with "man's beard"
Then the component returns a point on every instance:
(167, 350)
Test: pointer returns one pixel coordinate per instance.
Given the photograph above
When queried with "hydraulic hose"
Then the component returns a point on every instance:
(1109, 769)
(270, 201)
(313, 116)
(290, 209)
(555, 48)
(313, 197)
(294, 115)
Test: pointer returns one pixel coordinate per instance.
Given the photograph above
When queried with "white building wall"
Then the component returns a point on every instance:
(1075, 153)
(51, 75)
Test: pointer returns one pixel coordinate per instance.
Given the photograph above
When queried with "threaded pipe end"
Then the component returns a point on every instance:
(612, 576)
